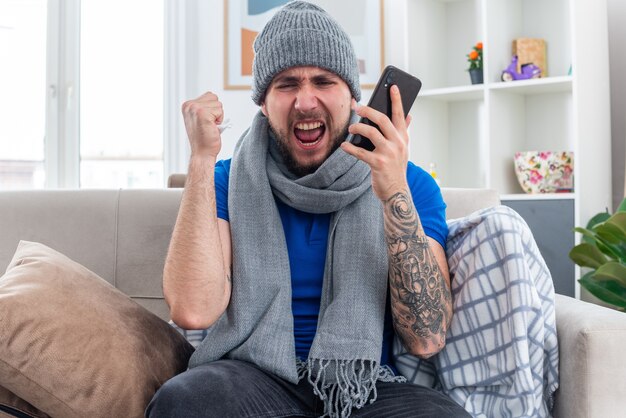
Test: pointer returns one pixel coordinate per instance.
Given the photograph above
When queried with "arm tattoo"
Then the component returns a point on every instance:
(420, 297)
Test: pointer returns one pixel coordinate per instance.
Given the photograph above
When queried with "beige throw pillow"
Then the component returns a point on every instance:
(73, 346)
(11, 406)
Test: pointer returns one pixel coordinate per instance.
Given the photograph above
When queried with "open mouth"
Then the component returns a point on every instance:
(309, 134)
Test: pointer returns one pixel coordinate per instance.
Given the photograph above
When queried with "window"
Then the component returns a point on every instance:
(82, 93)
(121, 93)
(23, 97)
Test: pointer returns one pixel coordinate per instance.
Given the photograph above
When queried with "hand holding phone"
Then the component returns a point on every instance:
(381, 100)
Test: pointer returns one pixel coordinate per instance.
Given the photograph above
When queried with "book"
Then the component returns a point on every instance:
(531, 51)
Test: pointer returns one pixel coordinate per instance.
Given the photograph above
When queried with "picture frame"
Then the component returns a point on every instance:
(363, 20)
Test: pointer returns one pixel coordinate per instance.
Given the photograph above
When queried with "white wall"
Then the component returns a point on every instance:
(204, 51)
(617, 58)
(198, 56)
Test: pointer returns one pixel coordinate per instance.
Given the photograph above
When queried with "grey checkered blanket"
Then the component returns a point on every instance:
(501, 353)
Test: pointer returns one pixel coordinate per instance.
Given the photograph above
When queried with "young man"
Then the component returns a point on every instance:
(288, 252)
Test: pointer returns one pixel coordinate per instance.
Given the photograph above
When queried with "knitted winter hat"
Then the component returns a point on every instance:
(302, 34)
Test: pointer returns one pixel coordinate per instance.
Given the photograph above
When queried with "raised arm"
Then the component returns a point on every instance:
(421, 303)
(196, 278)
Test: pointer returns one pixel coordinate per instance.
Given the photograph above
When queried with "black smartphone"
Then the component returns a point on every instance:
(381, 99)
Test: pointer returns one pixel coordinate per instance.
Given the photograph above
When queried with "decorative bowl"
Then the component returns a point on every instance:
(545, 171)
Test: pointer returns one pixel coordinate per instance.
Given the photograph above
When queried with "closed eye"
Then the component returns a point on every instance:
(324, 81)
(286, 83)
(286, 86)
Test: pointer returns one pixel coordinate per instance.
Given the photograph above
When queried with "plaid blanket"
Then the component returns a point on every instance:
(501, 353)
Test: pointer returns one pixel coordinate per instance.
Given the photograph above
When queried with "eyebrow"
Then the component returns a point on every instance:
(297, 79)
(324, 77)
(287, 79)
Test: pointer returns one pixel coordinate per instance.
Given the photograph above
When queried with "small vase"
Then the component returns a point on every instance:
(476, 75)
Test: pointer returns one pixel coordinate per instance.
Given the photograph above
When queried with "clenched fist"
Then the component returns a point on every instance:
(202, 115)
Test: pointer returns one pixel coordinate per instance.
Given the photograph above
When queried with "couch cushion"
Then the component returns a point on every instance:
(81, 224)
(121, 235)
(73, 346)
(462, 202)
(142, 241)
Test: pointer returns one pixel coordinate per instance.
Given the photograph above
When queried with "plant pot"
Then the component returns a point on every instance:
(476, 75)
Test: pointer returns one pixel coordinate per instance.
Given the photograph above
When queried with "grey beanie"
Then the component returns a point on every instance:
(302, 34)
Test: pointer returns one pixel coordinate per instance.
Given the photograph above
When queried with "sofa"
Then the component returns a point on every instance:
(123, 235)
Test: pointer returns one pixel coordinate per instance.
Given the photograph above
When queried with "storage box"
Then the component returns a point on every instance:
(531, 51)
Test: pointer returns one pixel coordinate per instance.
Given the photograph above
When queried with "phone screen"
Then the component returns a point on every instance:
(381, 100)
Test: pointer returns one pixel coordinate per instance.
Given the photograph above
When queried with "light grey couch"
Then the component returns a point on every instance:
(122, 235)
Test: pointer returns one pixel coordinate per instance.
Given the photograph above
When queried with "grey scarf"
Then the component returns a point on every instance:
(343, 364)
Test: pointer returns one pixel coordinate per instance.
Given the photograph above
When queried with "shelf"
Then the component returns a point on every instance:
(561, 84)
(455, 94)
(439, 36)
(538, 196)
(472, 132)
(522, 87)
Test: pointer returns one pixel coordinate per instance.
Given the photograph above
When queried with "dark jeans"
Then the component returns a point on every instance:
(231, 388)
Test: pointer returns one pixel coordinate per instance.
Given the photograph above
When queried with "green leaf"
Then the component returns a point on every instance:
(618, 221)
(587, 255)
(622, 206)
(607, 249)
(609, 232)
(611, 271)
(588, 234)
(621, 249)
(599, 218)
(609, 292)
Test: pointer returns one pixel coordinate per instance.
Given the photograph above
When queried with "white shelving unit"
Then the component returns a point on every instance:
(471, 132)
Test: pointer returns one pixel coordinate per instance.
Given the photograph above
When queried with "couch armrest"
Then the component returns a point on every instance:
(592, 351)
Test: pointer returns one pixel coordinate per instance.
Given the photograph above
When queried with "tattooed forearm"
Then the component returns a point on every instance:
(420, 296)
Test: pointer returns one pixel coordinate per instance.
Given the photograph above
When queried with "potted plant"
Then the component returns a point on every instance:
(603, 250)
(475, 58)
